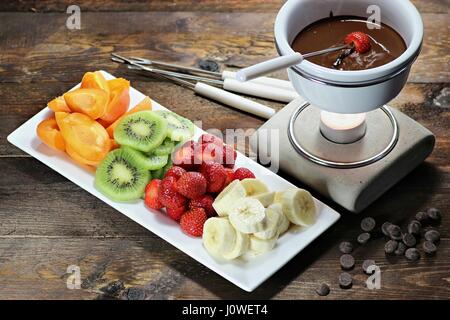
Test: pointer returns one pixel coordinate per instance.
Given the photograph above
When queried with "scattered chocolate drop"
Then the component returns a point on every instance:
(421, 217)
(346, 247)
(385, 228)
(429, 248)
(208, 65)
(409, 240)
(390, 246)
(395, 232)
(345, 280)
(347, 261)
(363, 238)
(323, 290)
(368, 224)
(412, 254)
(414, 227)
(434, 214)
(432, 235)
(401, 248)
(366, 264)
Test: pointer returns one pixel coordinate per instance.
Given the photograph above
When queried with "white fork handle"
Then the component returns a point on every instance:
(260, 90)
(233, 100)
(267, 81)
(268, 66)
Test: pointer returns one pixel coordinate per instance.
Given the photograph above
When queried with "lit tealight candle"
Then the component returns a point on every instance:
(342, 128)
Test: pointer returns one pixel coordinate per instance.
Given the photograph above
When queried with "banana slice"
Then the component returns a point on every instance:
(241, 246)
(254, 186)
(248, 216)
(278, 196)
(262, 245)
(265, 198)
(299, 207)
(273, 218)
(219, 236)
(227, 198)
(284, 223)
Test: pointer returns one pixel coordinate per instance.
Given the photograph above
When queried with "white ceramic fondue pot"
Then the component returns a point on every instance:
(349, 91)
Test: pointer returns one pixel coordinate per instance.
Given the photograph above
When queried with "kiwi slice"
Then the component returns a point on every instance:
(120, 176)
(179, 128)
(148, 161)
(166, 148)
(144, 131)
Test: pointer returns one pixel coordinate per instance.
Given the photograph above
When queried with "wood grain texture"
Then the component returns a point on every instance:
(47, 223)
(435, 6)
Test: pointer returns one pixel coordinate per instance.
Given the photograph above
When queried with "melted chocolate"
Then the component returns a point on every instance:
(386, 43)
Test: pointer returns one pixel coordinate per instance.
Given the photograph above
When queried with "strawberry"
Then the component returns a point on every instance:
(215, 176)
(151, 194)
(191, 185)
(211, 152)
(168, 195)
(230, 176)
(192, 222)
(175, 172)
(176, 212)
(204, 202)
(229, 156)
(243, 173)
(187, 156)
(359, 40)
(209, 138)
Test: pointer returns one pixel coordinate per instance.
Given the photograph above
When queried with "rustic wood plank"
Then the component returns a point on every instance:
(435, 6)
(36, 268)
(55, 53)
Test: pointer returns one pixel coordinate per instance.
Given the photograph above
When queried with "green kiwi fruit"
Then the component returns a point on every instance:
(165, 148)
(179, 128)
(121, 177)
(148, 161)
(158, 174)
(167, 166)
(144, 131)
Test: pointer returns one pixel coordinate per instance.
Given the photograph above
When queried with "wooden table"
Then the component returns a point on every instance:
(47, 223)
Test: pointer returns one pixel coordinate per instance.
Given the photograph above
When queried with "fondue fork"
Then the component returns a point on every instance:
(206, 90)
(229, 84)
(226, 74)
(279, 63)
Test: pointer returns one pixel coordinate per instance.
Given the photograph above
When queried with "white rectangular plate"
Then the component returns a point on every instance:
(245, 274)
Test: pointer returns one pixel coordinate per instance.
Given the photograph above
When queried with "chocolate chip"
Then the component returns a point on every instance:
(323, 290)
(209, 65)
(401, 248)
(412, 254)
(421, 216)
(367, 224)
(409, 240)
(347, 261)
(414, 227)
(395, 232)
(432, 235)
(390, 246)
(345, 280)
(429, 247)
(366, 264)
(346, 247)
(385, 228)
(434, 214)
(363, 238)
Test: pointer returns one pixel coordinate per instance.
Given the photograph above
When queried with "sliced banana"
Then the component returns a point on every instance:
(265, 198)
(241, 246)
(227, 198)
(254, 186)
(299, 207)
(273, 217)
(248, 215)
(283, 223)
(219, 236)
(278, 196)
(262, 245)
